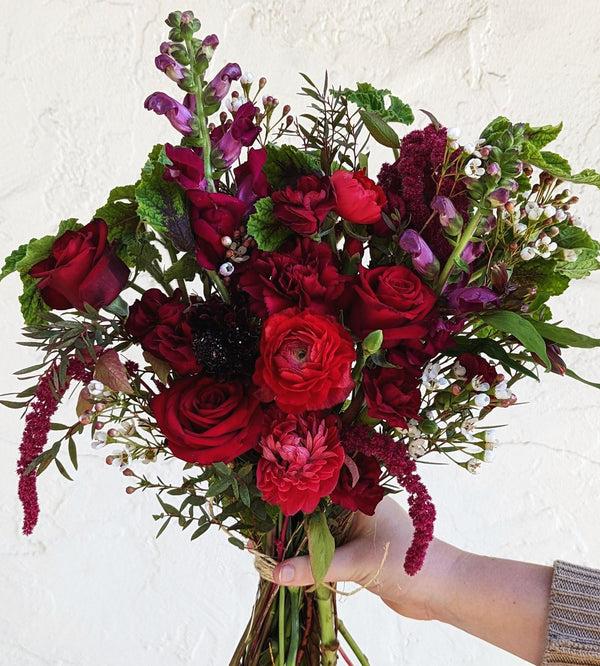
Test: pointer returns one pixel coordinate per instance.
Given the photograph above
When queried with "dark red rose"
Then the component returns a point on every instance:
(393, 299)
(301, 461)
(304, 207)
(83, 267)
(305, 276)
(207, 421)
(213, 216)
(358, 199)
(250, 179)
(392, 395)
(160, 324)
(186, 169)
(358, 487)
(304, 361)
(476, 366)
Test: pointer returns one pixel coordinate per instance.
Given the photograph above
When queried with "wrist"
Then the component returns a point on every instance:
(446, 568)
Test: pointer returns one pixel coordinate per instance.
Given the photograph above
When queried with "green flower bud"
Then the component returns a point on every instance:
(372, 343)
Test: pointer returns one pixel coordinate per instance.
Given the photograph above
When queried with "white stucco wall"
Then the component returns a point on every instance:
(92, 587)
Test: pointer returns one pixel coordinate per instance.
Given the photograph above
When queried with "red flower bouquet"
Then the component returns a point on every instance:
(297, 331)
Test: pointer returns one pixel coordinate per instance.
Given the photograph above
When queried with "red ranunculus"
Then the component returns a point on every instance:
(392, 395)
(393, 299)
(358, 487)
(476, 366)
(213, 216)
(304, 276)
(207, 421)
(304, 361)
(186, 168)
(304, 207)
(358, 198)
(83, 267)
(301, 461)
(160, 324)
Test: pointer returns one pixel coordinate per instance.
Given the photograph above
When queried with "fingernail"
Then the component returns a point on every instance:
(286, 573)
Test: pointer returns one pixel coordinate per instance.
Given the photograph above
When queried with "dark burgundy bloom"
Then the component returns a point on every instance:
(471, 299)
(392, 395)
(218, 88)
(358, 487)
(213, 216)
(179, 115)
(187, 167)
(160, 324)
(250, 178)
(476, 366)
(304, 276)
(229, 138)
(304, 207)
(358, 199)
(83, 267)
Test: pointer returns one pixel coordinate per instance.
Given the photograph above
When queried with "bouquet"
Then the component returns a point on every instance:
(295, 325)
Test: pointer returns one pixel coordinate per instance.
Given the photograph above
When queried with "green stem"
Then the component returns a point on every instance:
(180, 281)
(157, 273)
(461, 244)
(362, 659)
(220, 285)
(281, 628)
(295, 593)
(329, 643)
(134, 286)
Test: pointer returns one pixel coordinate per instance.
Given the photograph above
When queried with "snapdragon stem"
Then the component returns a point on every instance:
(461, 244)
(329, 644)
(292, 654)
(358, 653)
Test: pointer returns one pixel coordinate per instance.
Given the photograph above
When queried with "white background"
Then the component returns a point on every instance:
(92, 586)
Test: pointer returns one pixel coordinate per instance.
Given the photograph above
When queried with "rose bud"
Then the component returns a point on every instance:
(423, 259)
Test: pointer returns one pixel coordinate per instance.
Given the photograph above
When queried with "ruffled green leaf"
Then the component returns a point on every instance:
(264, 227)
(285, 164)
(381, 102)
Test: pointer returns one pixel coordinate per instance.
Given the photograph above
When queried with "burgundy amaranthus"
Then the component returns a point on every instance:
(401, 465)
(35, 435)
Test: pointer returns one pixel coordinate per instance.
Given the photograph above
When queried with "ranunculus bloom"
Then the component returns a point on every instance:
(179, 115)
(207, 421)
(359, 490)
(250, 178)
(305, 361)
(187, 167)
(393, 299)
(228, 139)
(304, 207)
(83, 267)
(218, 88)
(358, 199)
(476, 366)
(423, 259)
(471, 299)
(392, 395)
(301, 461)
(160, 324)
(304, 276)
(213, 216)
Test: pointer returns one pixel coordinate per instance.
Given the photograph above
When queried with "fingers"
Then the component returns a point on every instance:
(296, 571)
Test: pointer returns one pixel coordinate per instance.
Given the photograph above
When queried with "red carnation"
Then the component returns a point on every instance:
(476, 366)
(305, 361)
(358, 487)
(304, 207)
(392, 395)
(207, 421)
(393, 299)
(160, 324)
(358, 198)
(301, 461)
(304, 276)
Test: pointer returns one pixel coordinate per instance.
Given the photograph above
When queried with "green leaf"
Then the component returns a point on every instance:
(14, 404)
(10, 263)
(542, 275)
(61, 469)
(565, 336)
(204, 527)
(264, 227)
(558, 166)
(285, 164)
(185, 268)
(379, 129)
(493, 349)
(519, 327)
(495, 129)
(33, 307)
(541, 136)
(73, 452)
(574, 375)
(238, 543)
(371, 99)
(321, 545)
(575, 238)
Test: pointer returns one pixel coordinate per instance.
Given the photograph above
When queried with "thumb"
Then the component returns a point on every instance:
(296, 571)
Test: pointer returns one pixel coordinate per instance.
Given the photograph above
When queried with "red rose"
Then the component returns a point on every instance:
(304, 361)
(213, 216)
(358, 198)
(207, 421)
(305, 276)
(392, 395)
(476, 366)
(83, 267)
(393, 299)
(160, 324)
(358, 487)
(186, 168)
(304, 207)
(301, 461)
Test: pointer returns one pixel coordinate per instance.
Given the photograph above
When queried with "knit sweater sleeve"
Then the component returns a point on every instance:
(574, 617)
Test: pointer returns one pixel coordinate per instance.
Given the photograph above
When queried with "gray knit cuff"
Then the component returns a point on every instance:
(574, 616)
